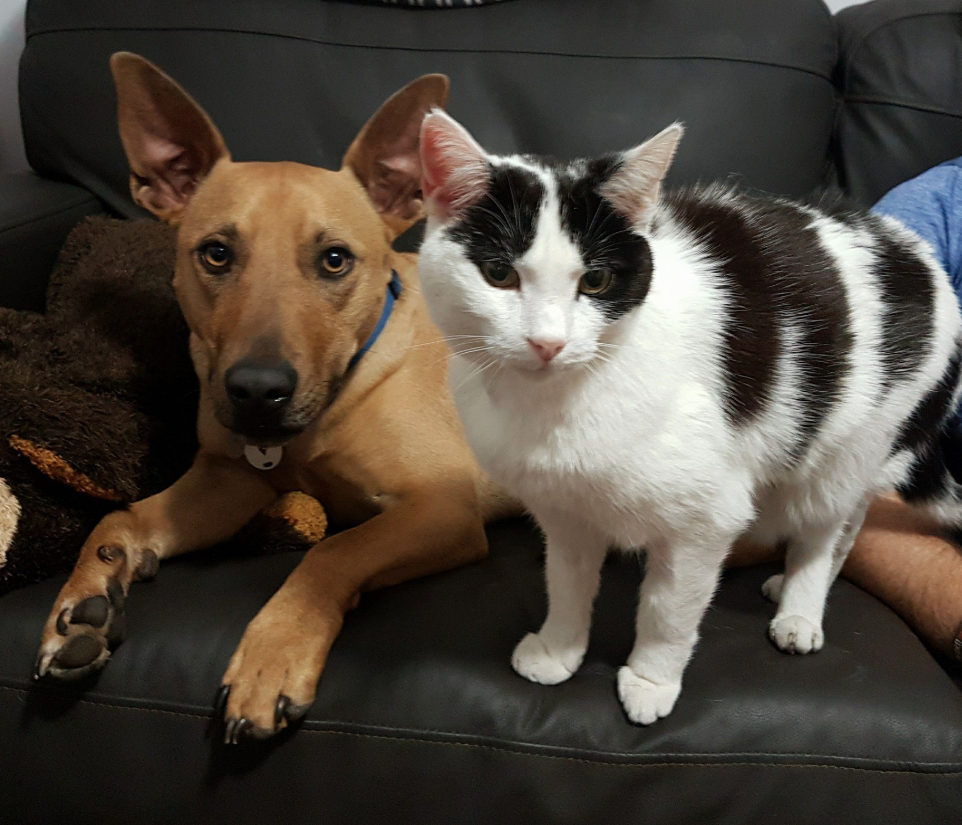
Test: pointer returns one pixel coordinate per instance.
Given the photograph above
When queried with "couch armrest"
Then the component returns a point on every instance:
(36, 214)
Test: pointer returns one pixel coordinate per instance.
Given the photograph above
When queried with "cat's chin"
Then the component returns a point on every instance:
(546, 372)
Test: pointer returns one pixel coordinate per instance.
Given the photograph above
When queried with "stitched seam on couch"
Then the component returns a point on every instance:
(375, 47)
(884, 101)
(50, 214)
(621, 760)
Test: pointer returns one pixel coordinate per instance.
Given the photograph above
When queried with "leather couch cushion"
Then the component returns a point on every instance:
(35, 216)
(419, 717)
(901, 80)
(295, 80)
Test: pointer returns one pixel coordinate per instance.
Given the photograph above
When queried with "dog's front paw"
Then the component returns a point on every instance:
(795, 634)
(643, 700)
(81, 632)
(536, 662)
(272, 677)
(772, 588)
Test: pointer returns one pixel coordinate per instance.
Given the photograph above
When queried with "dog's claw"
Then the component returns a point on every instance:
(235, 729)
(229, 730)
(297, 712)
(147, 568)
(280, 712)
(62, 622)
(220, 700)
(118, 630)
(115, 593)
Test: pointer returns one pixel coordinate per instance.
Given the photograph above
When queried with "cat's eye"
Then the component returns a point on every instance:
(594, 282)
(336, 261)
(215, 256)
(500, 275)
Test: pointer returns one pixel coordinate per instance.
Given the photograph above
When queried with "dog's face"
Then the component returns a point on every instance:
(281, 272)
(282, 268)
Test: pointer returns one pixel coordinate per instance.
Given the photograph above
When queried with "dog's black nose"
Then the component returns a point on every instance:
(256, 386)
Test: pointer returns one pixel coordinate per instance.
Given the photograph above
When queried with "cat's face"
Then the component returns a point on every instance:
(529, 264)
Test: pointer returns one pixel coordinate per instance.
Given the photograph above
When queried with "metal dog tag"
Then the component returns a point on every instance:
(263, 458)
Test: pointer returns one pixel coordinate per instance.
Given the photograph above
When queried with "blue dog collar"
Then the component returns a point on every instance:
(393, 293)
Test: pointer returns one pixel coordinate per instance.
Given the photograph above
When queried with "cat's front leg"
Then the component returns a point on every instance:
(574, 555)
(680, 580)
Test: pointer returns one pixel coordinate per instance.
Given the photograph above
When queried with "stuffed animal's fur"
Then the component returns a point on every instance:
(98, 403)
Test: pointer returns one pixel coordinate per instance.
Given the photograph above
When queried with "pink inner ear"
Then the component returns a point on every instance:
(173, 168)
(454, 172)
(394, 185)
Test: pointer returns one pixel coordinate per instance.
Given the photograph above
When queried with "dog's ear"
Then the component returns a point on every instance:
(384, 156)
(170, 142)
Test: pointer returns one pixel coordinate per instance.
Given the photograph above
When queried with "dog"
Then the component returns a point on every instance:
(319, 371)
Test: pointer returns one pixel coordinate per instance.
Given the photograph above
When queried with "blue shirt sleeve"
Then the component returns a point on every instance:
(931, 205)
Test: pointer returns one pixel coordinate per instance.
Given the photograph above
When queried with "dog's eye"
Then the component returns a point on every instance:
(215, 257)
(336, 261)
(500, 275)
(594, 282)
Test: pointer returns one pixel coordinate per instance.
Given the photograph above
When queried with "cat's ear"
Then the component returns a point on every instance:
(635, 186)
(454, 168)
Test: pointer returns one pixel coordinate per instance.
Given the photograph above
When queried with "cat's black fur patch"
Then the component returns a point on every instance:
(776, 274)
(905, 287)
(501, 226)
(604, 236)
(908, 297)
(924, 433)
(928, 418)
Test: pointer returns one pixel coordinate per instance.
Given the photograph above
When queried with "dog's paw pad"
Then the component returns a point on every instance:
(533, 660)
(78, 651)
(643, 700)
(83, 635)
(795, 634)
(74, 658)
(772, 588)
(93, 611)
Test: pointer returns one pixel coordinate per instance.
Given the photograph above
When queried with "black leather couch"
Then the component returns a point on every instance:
(419, 718)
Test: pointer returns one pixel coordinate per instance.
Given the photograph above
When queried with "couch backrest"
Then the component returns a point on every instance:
(900, 78)
(295, 79)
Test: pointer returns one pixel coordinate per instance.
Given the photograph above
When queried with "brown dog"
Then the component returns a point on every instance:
(284, 274)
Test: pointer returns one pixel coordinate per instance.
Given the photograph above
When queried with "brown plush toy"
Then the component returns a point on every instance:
(98, 403)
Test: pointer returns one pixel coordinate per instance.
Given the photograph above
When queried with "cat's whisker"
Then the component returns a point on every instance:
(477, 371)
(443, 340)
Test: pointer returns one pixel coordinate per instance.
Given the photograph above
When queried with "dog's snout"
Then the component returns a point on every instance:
(251, 384)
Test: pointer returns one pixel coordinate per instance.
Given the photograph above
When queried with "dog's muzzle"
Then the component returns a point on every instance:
(260, 394)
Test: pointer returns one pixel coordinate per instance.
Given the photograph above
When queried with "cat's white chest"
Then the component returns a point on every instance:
(571, 462)
(631, 465)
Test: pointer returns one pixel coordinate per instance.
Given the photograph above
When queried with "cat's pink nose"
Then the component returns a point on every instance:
(547, 348)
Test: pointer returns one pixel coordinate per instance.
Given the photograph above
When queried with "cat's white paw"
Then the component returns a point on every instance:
(795, 634)
(533, 660)
(772, 588)
(643, 700)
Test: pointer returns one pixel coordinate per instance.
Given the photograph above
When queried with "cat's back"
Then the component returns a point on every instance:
(827, 309)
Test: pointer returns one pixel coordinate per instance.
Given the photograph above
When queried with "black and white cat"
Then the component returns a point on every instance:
(669, 371)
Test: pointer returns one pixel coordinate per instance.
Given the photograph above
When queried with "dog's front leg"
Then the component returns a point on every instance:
(208, 504)
(273, 675)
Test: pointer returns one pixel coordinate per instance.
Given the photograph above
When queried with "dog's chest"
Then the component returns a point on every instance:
(346, 501)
